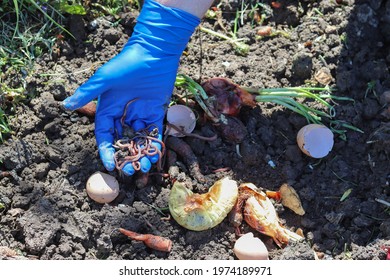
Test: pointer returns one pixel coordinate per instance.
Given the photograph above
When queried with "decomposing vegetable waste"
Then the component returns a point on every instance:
(202, 211)
(184, 150)
(288, 197)
(88, 110)
(221, 99)
(257, 210)
(229, 126)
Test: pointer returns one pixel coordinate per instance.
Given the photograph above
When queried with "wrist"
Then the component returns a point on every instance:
(164, 28)
(197, 8)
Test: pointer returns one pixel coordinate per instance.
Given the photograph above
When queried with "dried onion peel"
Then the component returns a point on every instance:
(226, 97)
(260, 214)
(202, 211)
(291, 200)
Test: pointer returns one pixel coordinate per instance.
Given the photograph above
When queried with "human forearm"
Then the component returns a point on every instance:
(196, 7)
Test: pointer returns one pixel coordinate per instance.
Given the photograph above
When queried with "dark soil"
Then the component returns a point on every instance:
(46, 163)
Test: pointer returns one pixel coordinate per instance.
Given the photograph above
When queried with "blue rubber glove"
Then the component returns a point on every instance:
(144, 70)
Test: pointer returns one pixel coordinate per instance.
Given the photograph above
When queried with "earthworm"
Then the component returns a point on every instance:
(131, 150)
(212, 138)
(137, 147)
(125, 111)
(222, 169)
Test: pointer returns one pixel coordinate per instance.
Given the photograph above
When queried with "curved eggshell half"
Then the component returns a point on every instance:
(102, 187)
(248, 247)
(315, 140)
(182, 117)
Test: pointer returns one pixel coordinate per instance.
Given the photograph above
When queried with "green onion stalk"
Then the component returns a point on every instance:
(292, 98)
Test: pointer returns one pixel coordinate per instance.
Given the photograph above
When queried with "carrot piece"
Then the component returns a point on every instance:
(152, 241)
(274, 195)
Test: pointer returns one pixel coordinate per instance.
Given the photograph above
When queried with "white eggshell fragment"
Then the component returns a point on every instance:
(315, 140)
(248, 247)
(182, 117)
(102, 187)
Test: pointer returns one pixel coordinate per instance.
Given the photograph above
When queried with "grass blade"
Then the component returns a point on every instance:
(16, 5)
(50, 18)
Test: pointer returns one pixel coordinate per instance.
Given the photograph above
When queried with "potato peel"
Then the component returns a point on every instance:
(199, 212)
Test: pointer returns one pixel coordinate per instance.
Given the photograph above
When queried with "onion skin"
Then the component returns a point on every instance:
(260, 214)
(291, 200)
(225, 101)
(199, 212)
(227, 97)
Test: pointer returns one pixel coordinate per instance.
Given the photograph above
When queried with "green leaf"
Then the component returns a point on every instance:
(346, 194)
(74, 9)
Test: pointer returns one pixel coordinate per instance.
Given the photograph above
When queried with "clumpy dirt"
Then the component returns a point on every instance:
(46, 163)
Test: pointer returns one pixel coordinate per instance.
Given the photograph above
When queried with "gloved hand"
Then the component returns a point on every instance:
(144, 71)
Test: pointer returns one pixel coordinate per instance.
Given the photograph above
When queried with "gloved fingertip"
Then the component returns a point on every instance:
(108, 162)
(128, 169)
(68, 104)
(154, 158)
(106, 152)
(159, 137)
(145, 164)
(110, 166)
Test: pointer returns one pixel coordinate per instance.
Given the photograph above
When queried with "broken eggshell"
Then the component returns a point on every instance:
(315, 140)
(248, 247)
(102, 187)
(182, 117)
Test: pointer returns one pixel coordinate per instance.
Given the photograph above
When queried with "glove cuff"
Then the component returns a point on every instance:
(164, 28)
